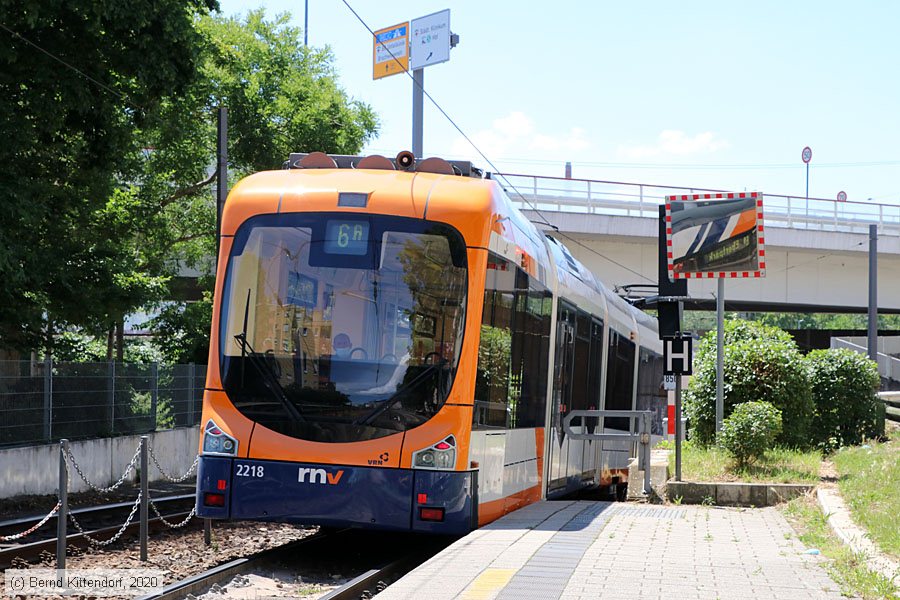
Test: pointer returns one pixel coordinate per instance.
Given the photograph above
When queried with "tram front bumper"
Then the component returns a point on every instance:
(442, 502)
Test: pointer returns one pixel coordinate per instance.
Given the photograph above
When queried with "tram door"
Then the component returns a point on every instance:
(593, 397)
(563, 372)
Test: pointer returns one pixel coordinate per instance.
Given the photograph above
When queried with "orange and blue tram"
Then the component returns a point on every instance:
(396, 347)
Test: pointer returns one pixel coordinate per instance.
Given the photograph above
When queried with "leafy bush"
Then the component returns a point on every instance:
(761, 363)
(750, 431)
(847, 409)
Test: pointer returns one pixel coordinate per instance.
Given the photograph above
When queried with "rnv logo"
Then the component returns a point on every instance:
(320, 476)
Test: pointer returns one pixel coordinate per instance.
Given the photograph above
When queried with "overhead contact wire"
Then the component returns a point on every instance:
(483, 155)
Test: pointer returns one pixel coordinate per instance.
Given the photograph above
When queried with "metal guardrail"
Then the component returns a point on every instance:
(557, 194)
(641, 436)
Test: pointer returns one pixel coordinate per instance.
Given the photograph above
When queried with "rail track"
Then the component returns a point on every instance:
(98, 521)
(375, 559)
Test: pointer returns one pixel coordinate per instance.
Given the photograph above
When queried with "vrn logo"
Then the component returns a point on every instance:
(320, 476)
(382, 458)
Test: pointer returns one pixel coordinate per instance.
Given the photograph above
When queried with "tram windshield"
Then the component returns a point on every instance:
(342, 327)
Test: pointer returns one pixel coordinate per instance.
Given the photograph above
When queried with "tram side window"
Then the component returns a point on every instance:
(530, 353)
(495, 345)
(650, 393)
(510, 385)
(619, 378)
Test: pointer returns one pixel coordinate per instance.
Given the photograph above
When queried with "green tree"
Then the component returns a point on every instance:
(107, 163)
(761, 363)
(282, 97)
(181, 331)
(77, 79)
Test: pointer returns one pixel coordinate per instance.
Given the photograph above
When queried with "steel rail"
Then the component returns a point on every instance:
(375, 580)
(33, 550)
(90, 510)
(199, 583)
(369, 583)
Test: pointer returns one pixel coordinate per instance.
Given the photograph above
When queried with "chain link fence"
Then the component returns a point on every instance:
(43, 402)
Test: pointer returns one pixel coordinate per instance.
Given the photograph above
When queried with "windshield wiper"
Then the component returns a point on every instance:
(384, 405)
(270, 380)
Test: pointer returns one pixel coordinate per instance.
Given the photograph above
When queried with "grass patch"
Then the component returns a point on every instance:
(869, 482)
(777, 466)
(845, 567)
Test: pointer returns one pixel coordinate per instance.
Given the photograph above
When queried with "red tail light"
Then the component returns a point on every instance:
(423, 498)
(221, 484)
(210, 499)
(431, 514)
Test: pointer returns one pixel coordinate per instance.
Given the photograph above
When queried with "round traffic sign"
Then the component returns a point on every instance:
(807, 154)
(842, 196)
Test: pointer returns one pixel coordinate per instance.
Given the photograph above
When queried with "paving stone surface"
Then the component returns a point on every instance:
(590, 550)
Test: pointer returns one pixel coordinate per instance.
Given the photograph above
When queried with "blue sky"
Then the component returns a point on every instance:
(705, 94)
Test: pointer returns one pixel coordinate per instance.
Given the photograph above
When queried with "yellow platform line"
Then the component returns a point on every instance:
(486, 585)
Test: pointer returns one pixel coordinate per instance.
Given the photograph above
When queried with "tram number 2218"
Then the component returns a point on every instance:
(249, 470)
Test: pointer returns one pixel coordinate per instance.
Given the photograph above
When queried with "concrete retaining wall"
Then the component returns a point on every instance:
(735, 494)
(35, 469)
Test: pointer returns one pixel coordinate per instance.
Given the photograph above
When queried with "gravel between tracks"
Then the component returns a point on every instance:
(182, 554)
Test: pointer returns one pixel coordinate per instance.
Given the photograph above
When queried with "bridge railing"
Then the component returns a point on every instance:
(557, 194)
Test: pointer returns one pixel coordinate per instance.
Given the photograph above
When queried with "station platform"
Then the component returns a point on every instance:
(588, 550)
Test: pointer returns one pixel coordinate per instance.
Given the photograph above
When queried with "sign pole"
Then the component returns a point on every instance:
(873, 293)
(720, 355)
(679, 427)
(417, 109)
(684, 355)
(807, 182)
(806, 155)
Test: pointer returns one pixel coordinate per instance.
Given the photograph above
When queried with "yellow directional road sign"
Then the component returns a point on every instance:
(390, 52)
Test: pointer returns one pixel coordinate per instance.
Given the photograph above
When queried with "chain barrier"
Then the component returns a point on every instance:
(171, 525)
(32, 529)
(106, 490)
(98, 543)
(166, 475)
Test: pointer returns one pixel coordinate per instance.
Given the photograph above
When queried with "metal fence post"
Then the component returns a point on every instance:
(48, 399)
(154, 393)
(111, 373)
(207, 532)
(145, 497)
(645, 449)
(190, 407)
(62, 514)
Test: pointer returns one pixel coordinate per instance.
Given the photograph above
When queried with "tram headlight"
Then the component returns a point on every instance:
(439, 456)
(216, 441)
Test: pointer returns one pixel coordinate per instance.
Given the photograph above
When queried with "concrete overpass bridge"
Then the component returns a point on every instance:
(816, 249)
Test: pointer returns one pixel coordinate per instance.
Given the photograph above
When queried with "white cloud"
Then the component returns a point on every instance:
(515, 136)
(672, 142)
(515, 124)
